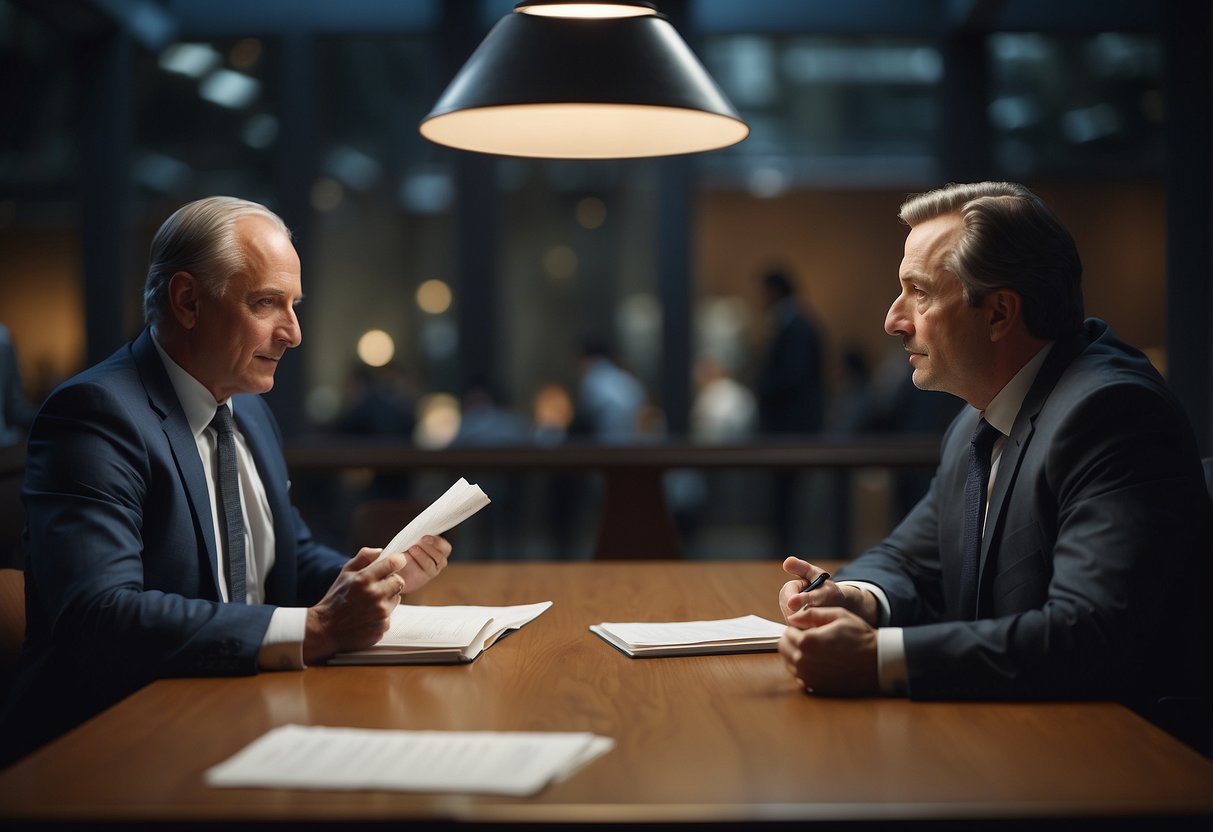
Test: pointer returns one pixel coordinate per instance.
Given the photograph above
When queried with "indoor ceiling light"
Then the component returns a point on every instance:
(583, 80)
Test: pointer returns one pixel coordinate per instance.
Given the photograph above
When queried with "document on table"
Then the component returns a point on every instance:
(461, 501)
(442, 634)
(747, 634)
(484, 762)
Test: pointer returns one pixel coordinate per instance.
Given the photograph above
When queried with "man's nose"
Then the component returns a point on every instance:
(895, 321)
(290, 332)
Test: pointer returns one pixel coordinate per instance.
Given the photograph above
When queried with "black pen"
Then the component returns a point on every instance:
(818, 581)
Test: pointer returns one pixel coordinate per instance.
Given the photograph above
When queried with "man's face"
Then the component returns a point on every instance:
(241, 336)
(946, 338)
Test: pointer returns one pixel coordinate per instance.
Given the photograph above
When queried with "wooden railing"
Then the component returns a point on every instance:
(635, 520)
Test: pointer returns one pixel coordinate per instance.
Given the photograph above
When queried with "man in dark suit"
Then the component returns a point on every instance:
(161, 541)
(1089, 557)
(789, 389)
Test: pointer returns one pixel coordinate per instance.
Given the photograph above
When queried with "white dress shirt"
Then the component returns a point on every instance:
(282, 645)
(1001, 413)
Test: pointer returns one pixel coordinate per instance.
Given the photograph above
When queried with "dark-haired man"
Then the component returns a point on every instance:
(1073, 561)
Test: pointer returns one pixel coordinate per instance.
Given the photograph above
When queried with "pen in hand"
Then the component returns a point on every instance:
(818, 581)
(809, 587)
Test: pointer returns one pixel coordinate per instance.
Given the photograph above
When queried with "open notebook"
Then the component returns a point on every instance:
(747, 634)
(442, 635)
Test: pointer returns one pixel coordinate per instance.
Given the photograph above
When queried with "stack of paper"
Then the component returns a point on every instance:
(461, 501)
(442, 635)
(487, 762)
(748, 634)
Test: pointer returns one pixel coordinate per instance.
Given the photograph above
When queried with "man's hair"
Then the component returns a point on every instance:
(1011, 240)
(199, 238)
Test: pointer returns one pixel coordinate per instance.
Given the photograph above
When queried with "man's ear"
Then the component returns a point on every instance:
(1004, 312)
(183, 296)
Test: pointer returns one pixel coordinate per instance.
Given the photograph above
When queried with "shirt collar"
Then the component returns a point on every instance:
(1004, 408)
(196, 401)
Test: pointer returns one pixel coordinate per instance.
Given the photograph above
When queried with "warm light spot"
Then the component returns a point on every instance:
(376, 347)
(434, 297)
(598, 11)
(438, 420)
(245, 53)
(591, 212)
(560, 263)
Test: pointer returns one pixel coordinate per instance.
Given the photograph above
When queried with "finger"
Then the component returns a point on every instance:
(440, 545)
(796, 566)
(390, 565)
(431, 558)
(436, 547)
(364, 558)
(808, 617)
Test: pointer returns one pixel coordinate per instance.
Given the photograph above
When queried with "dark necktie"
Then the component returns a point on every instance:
(231, 518)
(976, 484)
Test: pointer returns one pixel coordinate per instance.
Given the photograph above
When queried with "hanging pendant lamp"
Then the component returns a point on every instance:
(583, 80)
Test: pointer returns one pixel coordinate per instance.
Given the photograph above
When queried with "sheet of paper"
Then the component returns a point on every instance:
(484, 762)
(745, 628)
(435, 626)
(461, 501)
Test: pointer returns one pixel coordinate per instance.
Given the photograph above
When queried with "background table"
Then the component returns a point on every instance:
(710, 740)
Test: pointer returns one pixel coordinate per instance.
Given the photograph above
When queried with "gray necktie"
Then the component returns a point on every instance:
(977, 483)
(231, 519)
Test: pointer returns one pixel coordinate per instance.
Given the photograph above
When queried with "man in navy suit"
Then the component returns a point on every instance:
(1091, 558)
(131, 567)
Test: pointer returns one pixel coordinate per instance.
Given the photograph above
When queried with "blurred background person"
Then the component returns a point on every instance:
(16, 411)
(789, 389)
(610, 400)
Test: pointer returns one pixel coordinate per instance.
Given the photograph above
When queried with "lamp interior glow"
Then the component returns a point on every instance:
(581, 80)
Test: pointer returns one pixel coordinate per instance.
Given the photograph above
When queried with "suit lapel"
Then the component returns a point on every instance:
(1016, 446)
(163, 399)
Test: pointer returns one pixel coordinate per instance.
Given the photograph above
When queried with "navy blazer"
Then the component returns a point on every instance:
(121, 580)
(1095, 559)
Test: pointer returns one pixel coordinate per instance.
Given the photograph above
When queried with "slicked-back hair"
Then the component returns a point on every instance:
(1011, 240)
(199, 238)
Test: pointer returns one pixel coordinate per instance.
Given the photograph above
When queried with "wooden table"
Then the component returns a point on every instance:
(709, 740)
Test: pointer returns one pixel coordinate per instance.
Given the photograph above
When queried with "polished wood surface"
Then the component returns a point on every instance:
(703, 739)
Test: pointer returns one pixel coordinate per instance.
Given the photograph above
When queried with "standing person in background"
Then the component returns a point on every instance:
(16, 411)
(162, 539)
(609, 398)
(1062, 550)
(790, 389)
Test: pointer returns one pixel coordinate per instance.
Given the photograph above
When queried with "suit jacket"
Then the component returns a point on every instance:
(121, 580)
(1095, 559)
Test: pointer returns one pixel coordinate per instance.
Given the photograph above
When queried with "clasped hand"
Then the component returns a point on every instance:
(827, 646)
(357, 609)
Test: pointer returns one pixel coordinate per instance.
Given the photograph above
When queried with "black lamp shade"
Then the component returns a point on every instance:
(565, 88)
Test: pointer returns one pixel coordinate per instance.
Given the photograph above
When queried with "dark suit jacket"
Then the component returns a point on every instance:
(1095, 567)
(121, 583)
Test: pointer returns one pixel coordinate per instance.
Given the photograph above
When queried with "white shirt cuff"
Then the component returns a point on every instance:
(891, 661)
(282, 646)
(891, 671)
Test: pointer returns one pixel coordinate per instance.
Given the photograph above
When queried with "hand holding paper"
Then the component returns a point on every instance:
(461, 501)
